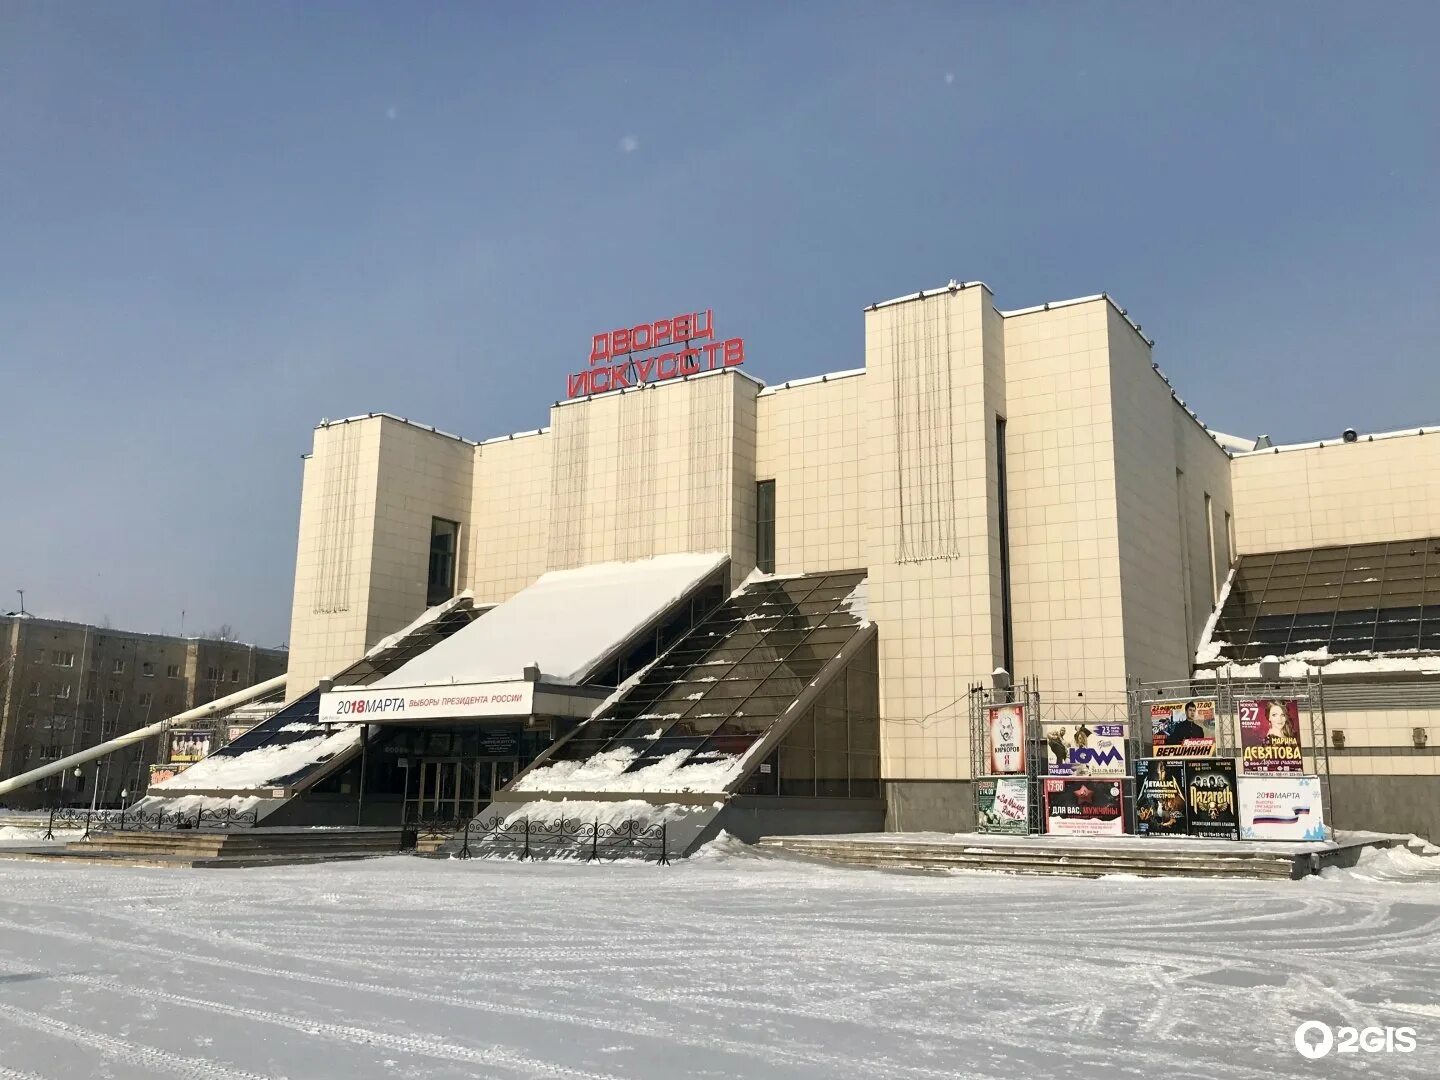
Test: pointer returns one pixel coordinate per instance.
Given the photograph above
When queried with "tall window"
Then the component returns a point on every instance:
(765, 526)
(444, 543)
(1210, 548)
(1002, 510)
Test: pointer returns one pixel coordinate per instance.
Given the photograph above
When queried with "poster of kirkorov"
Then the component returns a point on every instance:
(1005, 737)
(1280, 808)
(1084, 807)
(1080, 749)
(1182, 728)
(1270, 736)
(1004, 805)
(1160, 806)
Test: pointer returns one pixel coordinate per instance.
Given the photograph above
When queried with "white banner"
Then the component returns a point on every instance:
(1280, 808)
(401, 703)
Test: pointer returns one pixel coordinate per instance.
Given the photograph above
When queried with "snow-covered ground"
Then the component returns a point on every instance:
(729, 965)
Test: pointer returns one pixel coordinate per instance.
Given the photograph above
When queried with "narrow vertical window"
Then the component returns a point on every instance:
(1002, 511)
(444, 543)
(1210, 548)
(1229, 541)
(765, 526)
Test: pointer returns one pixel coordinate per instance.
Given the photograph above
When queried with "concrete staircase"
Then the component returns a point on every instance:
(236, 848)
(1039, 855)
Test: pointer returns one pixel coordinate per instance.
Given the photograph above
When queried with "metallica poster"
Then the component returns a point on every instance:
(1080, 749)
(1213, 802)
(1161, 806)
(1004, 805)
(1183, 728)
(1083, 807)
(1005, 738)
(1270, 736)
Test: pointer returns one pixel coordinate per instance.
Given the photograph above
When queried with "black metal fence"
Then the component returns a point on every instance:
(71, 817)
(525, 838)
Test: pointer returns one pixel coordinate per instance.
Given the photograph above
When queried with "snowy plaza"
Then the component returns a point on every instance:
(730, 964)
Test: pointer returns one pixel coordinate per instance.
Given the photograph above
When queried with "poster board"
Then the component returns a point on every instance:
(1005, 739)
(1270, 736)
(1212, 799)
(189, 746)
(1080, 749)
(1280, 808)
(1183, 728)
(1004, 805)
(1161, 797)
(160, 773)
(1084, 806)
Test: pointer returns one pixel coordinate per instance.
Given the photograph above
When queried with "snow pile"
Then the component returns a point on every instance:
(189, 804)
(1208, 651)
(564, 623)
(614, 814)
(263, 766)
(1299, 664)
(857, 603)
(428, 616)
(606, 772)
(1398, 865)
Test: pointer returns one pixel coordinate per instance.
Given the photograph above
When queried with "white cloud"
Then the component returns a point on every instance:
(630, 143)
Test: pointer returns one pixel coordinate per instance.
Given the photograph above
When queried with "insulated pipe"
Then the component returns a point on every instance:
(240, 697)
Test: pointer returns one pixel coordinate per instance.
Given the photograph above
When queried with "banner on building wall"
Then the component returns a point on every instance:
(441, 702)
(1213, 802)
(1182, 728)
(1270, 736)
(1080, 749)
(1280, 808)
(160, 773)
(234, 731)
(1004, 805)
(190, 746)
(1084, 807)
(1005, 738)
(1161, 806)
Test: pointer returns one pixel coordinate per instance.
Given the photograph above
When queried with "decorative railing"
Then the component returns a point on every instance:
(527, 838)
(126, 820)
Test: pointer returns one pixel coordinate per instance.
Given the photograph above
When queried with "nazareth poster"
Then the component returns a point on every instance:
(1004, 805)
(1183, 728)
(1080, 749)
(1083, 807)
(1214, 804)
(1005, 738)
(1270, 736)
(1280, 808)
(1161, 800)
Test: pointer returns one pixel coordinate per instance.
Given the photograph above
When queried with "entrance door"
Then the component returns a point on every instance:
(456, 788)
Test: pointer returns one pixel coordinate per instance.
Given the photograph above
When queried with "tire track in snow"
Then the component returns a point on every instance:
(433, 1046)
(834, 1064)
(150, 1058)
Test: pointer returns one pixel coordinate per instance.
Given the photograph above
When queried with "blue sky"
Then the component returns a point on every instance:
(220, 224)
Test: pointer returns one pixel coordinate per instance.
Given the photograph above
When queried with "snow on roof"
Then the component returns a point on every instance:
(261, 767)
(831, 376)
(609, 771)
(398, 419)
(564, 623)
(1233, 442)
(1052, 304)
(1338, 441)
(1298, 665)
(954, 286)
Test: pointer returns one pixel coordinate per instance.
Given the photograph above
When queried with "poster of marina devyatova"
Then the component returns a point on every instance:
(1092, 806)
(1280, 808)
(1080, 749)
(1004, 805)
(1270, 736)
(1005, 738)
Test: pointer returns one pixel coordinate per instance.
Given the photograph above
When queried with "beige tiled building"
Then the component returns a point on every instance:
(1023, 488)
